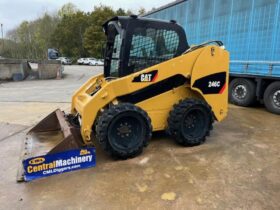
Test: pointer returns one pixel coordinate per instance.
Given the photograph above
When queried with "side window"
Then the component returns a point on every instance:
(171, 42)
(115, 62)
(142, 46)
(152, 46)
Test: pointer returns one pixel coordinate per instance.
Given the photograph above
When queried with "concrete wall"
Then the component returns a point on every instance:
(16, 69)
(10, 67)
(49, 69)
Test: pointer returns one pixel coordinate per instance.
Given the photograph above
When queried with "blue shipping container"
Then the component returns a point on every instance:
(249, 29)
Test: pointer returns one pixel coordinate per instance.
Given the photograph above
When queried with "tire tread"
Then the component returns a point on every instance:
(175, 119)
(102, 125)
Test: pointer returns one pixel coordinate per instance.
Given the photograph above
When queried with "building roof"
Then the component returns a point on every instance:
(164, 7)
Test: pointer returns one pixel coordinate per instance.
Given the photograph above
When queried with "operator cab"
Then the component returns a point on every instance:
(134, 44)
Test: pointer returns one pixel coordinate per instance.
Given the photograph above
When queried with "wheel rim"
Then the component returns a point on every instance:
(276, 98)
(195, 123)
(126, 131)
(240, 92)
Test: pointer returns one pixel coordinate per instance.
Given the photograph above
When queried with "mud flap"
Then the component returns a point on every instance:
(53, 146)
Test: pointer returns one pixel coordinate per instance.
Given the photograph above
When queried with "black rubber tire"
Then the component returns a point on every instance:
(181, 113)
(272, 102)
(244, 85)
(123, 130)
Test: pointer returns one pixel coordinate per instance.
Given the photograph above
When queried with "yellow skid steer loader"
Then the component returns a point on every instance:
(152, 81)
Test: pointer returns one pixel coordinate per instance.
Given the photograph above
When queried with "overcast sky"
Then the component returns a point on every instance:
(13, 12)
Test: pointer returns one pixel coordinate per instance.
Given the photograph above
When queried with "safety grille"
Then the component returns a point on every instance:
(152, 46)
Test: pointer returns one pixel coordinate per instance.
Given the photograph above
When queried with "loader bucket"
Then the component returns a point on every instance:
(53, 135)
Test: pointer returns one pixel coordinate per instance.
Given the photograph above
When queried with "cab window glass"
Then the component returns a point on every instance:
(151, 46)
(115, 62)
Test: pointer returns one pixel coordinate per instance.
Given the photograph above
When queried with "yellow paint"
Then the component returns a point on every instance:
(193, 65)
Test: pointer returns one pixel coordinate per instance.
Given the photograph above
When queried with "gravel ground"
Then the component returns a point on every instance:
(237, 168)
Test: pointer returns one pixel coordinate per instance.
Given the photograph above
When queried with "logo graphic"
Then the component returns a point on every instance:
(146, 77)
(50, 164)
(84, 152)
(212, 84)
(37, 161)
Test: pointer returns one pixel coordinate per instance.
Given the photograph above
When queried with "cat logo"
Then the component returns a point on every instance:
(146, 77)
(37, 161)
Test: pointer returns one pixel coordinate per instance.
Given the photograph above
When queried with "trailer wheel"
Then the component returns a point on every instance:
(242, 92)
(123, 130)
(190, 122)
(272, 98)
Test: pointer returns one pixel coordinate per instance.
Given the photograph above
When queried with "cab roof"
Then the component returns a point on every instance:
(125, 19)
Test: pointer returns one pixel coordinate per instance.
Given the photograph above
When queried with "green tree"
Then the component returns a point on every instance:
(94, 35)
(43, 29)
(68, 35)
(73, 32)
(141, 11)
(120, 12)
(67, 9)
(31, 39)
